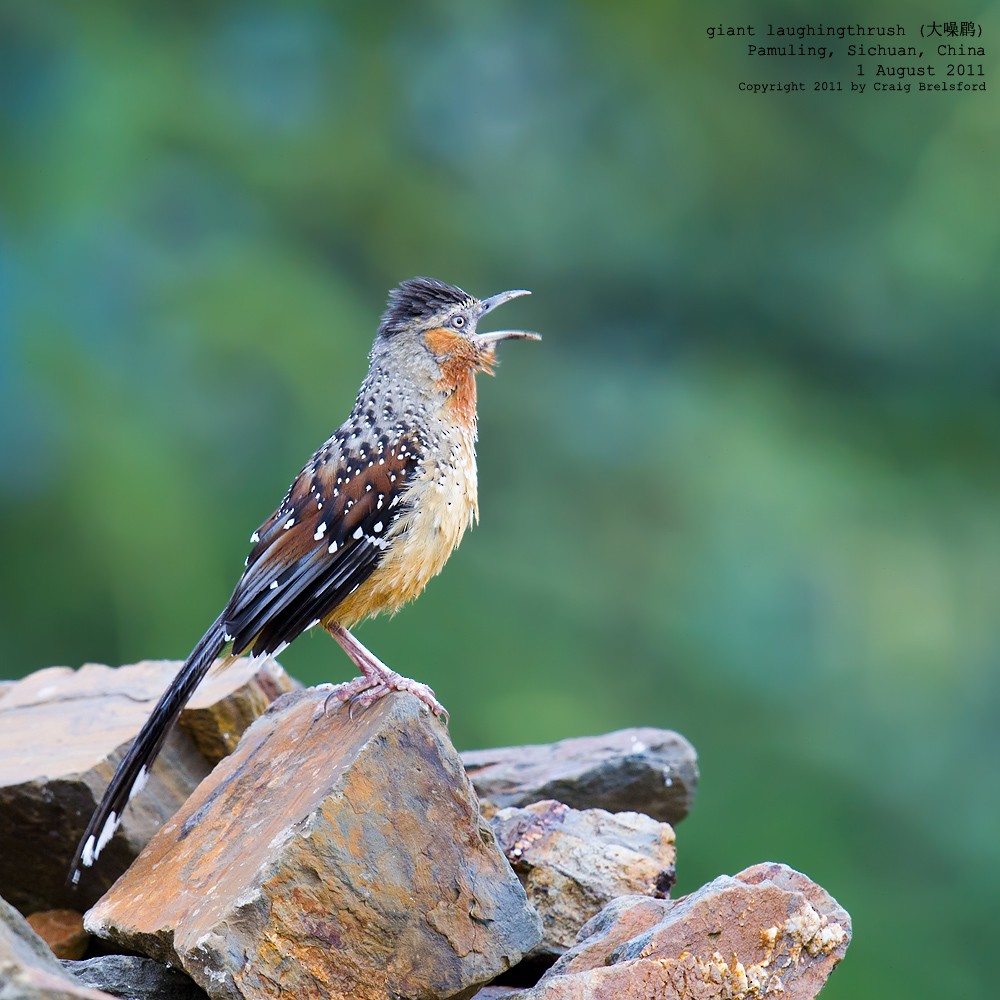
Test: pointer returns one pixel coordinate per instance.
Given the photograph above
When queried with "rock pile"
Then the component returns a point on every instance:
(291, 851)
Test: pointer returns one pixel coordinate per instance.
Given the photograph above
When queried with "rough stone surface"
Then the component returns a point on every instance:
(328, 857)
(768, 931)
(217, 722)
(651, 771)
(28, 970)
(135, 978)
(62, 931)
(572, 863)
(62, 733)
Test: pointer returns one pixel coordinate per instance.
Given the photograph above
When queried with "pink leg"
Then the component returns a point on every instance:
(376, 679)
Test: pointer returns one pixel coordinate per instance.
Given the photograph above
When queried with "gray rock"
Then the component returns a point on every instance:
(135, 978)
(651, 771)
(28, 970)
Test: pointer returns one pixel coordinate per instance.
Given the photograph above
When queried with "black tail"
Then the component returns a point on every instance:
(134, 767)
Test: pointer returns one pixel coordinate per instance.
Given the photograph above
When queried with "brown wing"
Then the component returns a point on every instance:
(327, 537)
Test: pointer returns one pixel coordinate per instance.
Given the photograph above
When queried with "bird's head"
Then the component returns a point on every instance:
(427, 320)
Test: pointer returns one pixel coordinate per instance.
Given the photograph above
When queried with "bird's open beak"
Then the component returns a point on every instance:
(484, 339)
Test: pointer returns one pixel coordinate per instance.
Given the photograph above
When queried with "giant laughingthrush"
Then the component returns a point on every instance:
(372, 516)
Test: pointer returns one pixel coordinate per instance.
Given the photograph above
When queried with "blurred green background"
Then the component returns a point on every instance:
(747, 486)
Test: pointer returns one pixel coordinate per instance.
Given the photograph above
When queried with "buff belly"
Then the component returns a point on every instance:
(443, 502)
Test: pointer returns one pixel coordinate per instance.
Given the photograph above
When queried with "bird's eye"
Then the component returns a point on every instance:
(458, 321)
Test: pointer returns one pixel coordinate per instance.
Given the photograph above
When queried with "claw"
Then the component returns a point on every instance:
(353, 702)
(346, 693)
(363, 692)
(377, 679)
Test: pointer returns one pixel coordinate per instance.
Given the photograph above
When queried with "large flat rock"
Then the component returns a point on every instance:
(652, 771)
(63, 732)
(328, 857)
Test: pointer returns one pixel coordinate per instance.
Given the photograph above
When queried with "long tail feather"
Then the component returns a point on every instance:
(130, 777)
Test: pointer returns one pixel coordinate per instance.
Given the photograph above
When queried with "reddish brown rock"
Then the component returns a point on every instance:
(651, 771)
(28, 969)
(342, 858)
(62, 732)
(768, 931)
(572, 863)
(62, 931)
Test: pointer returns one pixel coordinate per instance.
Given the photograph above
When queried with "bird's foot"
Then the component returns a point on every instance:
(377, 679)
(370, 687)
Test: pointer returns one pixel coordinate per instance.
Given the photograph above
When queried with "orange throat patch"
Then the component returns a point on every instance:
(461, 359)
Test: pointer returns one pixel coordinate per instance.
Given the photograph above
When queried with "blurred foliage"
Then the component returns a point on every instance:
(747, 487)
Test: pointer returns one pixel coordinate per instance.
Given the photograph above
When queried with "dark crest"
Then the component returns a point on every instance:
(418, 299)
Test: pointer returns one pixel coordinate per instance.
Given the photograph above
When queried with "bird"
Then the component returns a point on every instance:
(367, 522)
